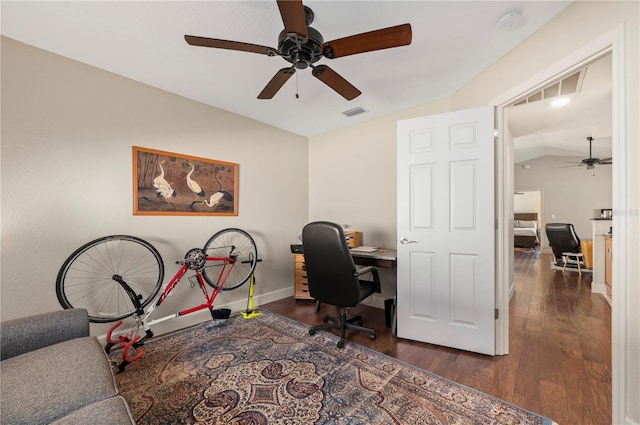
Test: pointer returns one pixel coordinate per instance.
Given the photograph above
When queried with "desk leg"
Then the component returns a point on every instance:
(394, 318)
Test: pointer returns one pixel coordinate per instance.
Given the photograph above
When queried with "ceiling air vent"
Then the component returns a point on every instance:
(355, 111)
(568, 85)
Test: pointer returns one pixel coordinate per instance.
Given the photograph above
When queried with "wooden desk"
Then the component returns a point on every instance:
(300, 282)
(386, 258)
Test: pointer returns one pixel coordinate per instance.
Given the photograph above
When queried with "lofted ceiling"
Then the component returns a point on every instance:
(453, 41)
(539, 130)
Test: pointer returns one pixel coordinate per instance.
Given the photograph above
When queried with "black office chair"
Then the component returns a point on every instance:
(333, 277)
(563, 239)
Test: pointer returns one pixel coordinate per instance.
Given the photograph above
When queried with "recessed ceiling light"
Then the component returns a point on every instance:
(559, 102)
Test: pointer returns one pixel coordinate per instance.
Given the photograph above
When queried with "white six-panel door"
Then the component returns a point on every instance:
(446, 230)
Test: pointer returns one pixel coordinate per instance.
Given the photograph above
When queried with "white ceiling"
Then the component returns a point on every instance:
(453, 41)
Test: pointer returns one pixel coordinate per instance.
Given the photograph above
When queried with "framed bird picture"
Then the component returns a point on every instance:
(167, 183)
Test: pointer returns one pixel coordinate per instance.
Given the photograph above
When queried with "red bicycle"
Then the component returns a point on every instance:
(115, 277)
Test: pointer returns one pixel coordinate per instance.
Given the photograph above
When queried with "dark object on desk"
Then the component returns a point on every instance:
(297, 249)
(562, 239)
(333, 277)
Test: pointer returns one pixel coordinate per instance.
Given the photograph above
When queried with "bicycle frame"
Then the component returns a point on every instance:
(134, 339)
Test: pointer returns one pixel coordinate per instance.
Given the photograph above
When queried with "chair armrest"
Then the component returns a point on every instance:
(19, 336)
(374, 274)
(363, 270)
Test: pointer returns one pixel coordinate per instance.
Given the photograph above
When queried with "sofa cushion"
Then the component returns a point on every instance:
(26, 334)
(47, 384)
(111, 411)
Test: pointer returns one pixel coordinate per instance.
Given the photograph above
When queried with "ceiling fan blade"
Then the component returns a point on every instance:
(276, 83)
(336, 82)
(295, 24)
(605, 161)
(385, 38)
(229, 45)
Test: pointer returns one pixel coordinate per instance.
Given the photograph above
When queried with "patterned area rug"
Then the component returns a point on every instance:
(268, 370)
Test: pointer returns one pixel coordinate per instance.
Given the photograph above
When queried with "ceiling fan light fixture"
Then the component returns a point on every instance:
(560, 102)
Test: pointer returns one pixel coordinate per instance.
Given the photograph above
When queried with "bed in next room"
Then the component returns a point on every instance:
(525, 230)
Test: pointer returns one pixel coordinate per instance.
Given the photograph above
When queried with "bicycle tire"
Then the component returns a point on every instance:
(87, 278)
(230, 243)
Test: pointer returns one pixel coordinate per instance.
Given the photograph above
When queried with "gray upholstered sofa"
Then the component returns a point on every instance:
(52, 371)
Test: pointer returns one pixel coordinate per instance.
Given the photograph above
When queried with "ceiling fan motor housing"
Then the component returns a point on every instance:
(302, 46)
(308, 53)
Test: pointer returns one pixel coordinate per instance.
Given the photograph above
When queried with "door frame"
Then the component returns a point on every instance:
(611, 42)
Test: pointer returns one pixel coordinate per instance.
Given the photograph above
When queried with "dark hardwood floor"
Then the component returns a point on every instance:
(559, 364)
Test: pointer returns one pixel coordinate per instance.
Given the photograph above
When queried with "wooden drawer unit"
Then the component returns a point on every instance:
(300, 283)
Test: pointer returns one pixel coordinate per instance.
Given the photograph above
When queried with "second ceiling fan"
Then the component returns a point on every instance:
(303, 46)
(591, 162)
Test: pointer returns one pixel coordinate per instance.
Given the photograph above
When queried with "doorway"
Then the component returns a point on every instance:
(611, 42)
(554, 145)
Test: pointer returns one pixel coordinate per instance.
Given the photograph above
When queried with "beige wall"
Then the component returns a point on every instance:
(67, 133)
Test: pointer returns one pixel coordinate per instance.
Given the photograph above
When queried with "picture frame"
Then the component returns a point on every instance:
(168, 183)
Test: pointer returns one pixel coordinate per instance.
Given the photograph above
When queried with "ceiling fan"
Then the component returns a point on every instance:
(591, 162)
(303, 46)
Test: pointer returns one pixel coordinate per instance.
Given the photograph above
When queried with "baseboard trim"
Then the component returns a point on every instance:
(599, 288)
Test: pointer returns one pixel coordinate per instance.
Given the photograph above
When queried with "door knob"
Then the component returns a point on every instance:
(406, 241)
